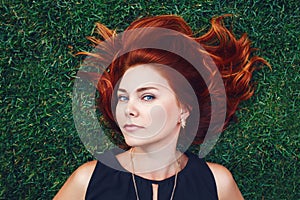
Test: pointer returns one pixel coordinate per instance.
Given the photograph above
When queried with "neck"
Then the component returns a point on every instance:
(157, 165)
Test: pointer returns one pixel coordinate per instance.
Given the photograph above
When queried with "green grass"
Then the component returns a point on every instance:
(39, 143)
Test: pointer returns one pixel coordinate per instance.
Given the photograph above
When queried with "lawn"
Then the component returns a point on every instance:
(39, 142)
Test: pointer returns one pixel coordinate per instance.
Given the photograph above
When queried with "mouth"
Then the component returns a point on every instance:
(131, 127)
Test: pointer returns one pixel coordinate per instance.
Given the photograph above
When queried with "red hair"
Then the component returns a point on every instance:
(232, 57)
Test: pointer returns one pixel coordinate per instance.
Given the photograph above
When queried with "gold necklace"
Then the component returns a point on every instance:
(134, 183)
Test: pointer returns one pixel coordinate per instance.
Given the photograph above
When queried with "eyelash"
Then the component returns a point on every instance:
(122, 98)
(146, 97)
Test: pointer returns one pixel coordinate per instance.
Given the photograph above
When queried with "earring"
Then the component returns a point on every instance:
(183, 122)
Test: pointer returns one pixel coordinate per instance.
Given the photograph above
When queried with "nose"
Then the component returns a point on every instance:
(131, 109)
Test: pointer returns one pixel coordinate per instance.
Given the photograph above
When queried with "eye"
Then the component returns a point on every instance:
(122, 98)
(148, 97)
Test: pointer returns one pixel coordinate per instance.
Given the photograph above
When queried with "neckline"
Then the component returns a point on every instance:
(182, 171)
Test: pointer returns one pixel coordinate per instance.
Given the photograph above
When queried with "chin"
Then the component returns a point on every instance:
(133, 142)
(139, 142)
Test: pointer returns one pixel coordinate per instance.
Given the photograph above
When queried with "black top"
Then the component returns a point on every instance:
(195, 181)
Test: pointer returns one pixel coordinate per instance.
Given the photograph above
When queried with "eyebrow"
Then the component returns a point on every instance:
(139, 89)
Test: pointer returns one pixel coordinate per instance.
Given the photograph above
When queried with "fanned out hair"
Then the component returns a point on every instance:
(232, 56)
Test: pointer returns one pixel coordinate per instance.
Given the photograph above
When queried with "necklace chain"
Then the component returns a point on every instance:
(134, 182)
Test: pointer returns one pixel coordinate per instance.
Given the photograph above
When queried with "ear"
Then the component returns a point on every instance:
(185, 111)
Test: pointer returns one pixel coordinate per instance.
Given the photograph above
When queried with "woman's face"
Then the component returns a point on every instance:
(147, 110)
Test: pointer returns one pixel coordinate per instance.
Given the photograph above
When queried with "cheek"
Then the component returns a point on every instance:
(119, 115)
(157, 118)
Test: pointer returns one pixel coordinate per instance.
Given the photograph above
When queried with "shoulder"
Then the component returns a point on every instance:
(226, 186)
(76, 185)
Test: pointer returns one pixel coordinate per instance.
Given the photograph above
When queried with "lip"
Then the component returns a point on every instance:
(131, 127)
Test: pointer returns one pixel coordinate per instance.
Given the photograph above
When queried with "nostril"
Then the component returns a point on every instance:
(130, 113)
(131, 110)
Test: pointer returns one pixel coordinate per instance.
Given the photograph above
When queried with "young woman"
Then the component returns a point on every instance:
(158, 100)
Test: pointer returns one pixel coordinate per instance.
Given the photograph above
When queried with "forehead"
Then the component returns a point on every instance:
(141, 76)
